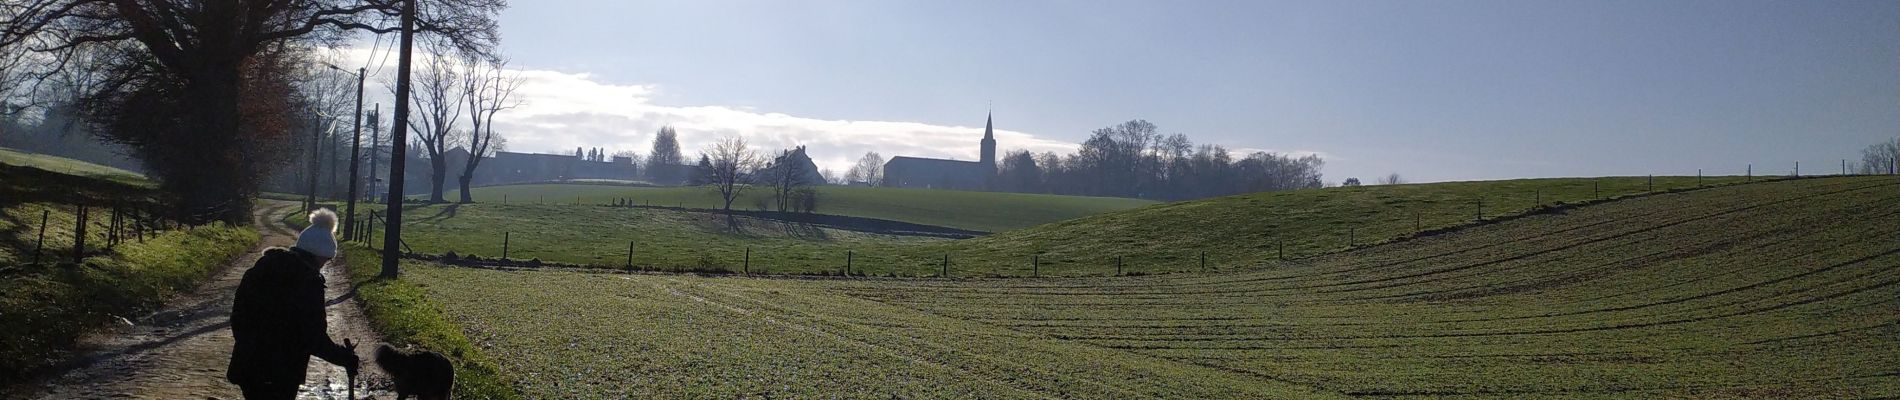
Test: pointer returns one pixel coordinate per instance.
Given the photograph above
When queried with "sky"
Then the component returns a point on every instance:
(1434, 90)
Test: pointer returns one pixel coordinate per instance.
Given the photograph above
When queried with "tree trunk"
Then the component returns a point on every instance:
(439, 170)
(468, 174)
(209, 175)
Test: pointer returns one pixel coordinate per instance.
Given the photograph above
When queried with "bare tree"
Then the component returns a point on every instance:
(633, 156)
(200, 88)
(869, 169)
(1880, 158)
(1391, 179)
(489, 89)
(787, 173)
(331, 96)
(438, 98)
(729, 161)
(1019, 173)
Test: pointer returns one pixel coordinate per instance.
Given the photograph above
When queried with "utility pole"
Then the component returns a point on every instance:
(375, 136)
(356, 150)
(392, 232)
(316, 161)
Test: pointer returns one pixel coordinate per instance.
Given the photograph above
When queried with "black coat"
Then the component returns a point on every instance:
(278, 321)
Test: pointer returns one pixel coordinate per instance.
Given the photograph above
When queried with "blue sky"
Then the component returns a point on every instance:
(1434, 90)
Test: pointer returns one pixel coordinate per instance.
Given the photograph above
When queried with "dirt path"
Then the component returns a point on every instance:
(180, 352)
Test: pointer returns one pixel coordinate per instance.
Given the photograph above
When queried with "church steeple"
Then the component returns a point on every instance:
(989, 141)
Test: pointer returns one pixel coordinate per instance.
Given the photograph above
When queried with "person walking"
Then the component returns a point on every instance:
(277, 318)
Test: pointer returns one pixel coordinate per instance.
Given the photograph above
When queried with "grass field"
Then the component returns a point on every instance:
(48, 300)
(1246, 230)
(662, 239)
(69, 166)
(1779, 290)
(404, 315)
(1236, 232)
(979, 211)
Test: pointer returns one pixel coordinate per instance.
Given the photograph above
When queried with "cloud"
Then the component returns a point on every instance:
(565, 110)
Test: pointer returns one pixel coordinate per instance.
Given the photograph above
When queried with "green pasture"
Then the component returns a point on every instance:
(1235, 232)
(1782, 289)
(978, 211)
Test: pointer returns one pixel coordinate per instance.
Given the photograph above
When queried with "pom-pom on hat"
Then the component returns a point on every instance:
(320, 238)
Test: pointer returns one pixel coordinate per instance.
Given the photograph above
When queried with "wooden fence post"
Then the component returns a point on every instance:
(1596, 191)
(1698, 177)
(1652, 183)
(629, 254)
(1539, 196)
(1797, 169)
(748, 260)
(1751, 173)
(41, 244)
(112, 226)
(1480, 209)
(1035, 265)
(1418, 223)
(1203, 260)
(1118, 265)
(847, 262)
(504, 245)
(79, 237)
(946, 265)
(1352, 239)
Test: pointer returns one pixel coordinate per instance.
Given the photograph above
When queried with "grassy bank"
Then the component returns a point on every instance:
(47, 300)
(405, 314)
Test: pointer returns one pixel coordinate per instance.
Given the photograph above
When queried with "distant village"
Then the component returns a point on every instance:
(505, 167)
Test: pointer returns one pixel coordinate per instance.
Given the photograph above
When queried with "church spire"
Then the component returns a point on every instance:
(989, 141)
(988, 125)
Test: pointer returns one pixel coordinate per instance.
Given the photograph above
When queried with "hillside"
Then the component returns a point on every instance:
(69, 166)
(1768, 290)
(980, 211)
(1236, 232)
(1252, 229)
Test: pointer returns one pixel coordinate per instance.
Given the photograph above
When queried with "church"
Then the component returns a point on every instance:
(937, 173)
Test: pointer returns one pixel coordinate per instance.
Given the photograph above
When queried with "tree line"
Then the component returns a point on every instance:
(1133, 159)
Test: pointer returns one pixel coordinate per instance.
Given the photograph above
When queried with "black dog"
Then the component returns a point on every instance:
(425, 374)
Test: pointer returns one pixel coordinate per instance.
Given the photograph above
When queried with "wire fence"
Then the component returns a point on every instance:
(69, 233)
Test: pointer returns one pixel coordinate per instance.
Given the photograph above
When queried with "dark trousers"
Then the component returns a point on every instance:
(269, 391)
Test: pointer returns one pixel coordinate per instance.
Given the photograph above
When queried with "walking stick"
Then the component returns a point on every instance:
(348, 372)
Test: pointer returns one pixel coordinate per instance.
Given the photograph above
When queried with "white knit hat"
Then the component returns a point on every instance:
(320, 238)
